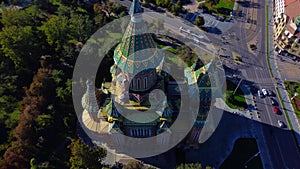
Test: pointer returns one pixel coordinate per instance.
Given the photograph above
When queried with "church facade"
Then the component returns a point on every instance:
(137, 71)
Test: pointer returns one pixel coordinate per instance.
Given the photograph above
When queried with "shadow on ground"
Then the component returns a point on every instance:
(213, 30)
(218, 147)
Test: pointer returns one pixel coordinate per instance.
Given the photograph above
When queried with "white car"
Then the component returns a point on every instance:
(260, 94)
(264, 91)
(280, 123)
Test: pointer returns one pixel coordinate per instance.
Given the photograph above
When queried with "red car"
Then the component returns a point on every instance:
(276, 110)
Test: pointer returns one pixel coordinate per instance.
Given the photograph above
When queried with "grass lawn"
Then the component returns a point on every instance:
(229, 4)
(223, 7)
(293, 87)
(172, 50)
(237, 101)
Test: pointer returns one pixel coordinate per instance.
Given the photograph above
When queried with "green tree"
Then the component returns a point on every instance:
(57, 30)
(101, 19)
(199, 21)
(134, 165)
(81, 27)
(65, 92)
(57, 75)
(83, 156)
(12, 16)
(16, 42)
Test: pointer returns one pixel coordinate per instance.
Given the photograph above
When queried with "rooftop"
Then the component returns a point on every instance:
(292, 12)
(288, 2)
(292, 9)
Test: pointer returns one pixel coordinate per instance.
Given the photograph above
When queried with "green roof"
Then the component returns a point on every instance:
(137, 50)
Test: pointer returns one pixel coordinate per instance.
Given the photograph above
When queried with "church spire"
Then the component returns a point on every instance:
(135, 8)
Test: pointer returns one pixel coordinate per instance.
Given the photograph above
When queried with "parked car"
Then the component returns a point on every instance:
(276, 110)
(264, 91)
(270, 93)
(280, 123)
(260, 94)
(274, 102)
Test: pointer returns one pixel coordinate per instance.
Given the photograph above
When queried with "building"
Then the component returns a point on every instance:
(138, 65)
(287, 29)
(278, 8)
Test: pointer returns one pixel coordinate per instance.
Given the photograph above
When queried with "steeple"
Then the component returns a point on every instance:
(135, 8)
(126, 55)
(89, 102)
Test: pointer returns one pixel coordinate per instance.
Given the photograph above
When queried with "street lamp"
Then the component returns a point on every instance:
(255, 155)
(295, 95)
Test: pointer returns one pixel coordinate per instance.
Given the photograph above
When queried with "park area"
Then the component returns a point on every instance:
(292, 88)
(235, 100)
(220, 7)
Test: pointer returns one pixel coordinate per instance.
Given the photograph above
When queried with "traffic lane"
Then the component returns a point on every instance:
(288, 148)
(274, 117)
(274, 151)
(283, 146)
(290, 145)
(275, 144)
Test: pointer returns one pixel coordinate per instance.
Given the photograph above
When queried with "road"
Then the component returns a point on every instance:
(277, 145)
(280, 144)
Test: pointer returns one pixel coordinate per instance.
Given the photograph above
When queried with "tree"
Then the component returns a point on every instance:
(134, 165)
(63, 93)
(176, 9)
(83, 156)
(186, 54)
(12, 16)
(81, 27)
(15, 42)
(57, 30)
(23, 148)
(101, 19)
(199, 21)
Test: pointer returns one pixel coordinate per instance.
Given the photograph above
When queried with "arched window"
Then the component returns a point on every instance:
(146, 82)
(138, 81)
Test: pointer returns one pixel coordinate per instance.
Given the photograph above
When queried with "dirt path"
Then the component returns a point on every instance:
(192, 7)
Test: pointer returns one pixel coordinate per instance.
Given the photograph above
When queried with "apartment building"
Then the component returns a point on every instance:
(287, 27)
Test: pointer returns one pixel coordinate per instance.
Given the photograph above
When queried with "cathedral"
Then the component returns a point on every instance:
(124, 105)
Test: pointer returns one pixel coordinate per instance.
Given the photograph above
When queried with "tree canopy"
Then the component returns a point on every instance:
(83, 156)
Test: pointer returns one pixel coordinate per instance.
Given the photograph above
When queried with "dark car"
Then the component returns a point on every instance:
(270, 93)
(274, 102)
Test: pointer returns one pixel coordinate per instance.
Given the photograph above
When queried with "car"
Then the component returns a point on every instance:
(270, 93)
(274, 102)
(276, 110)
(280, 123)
(260, 94)
(264, 91)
